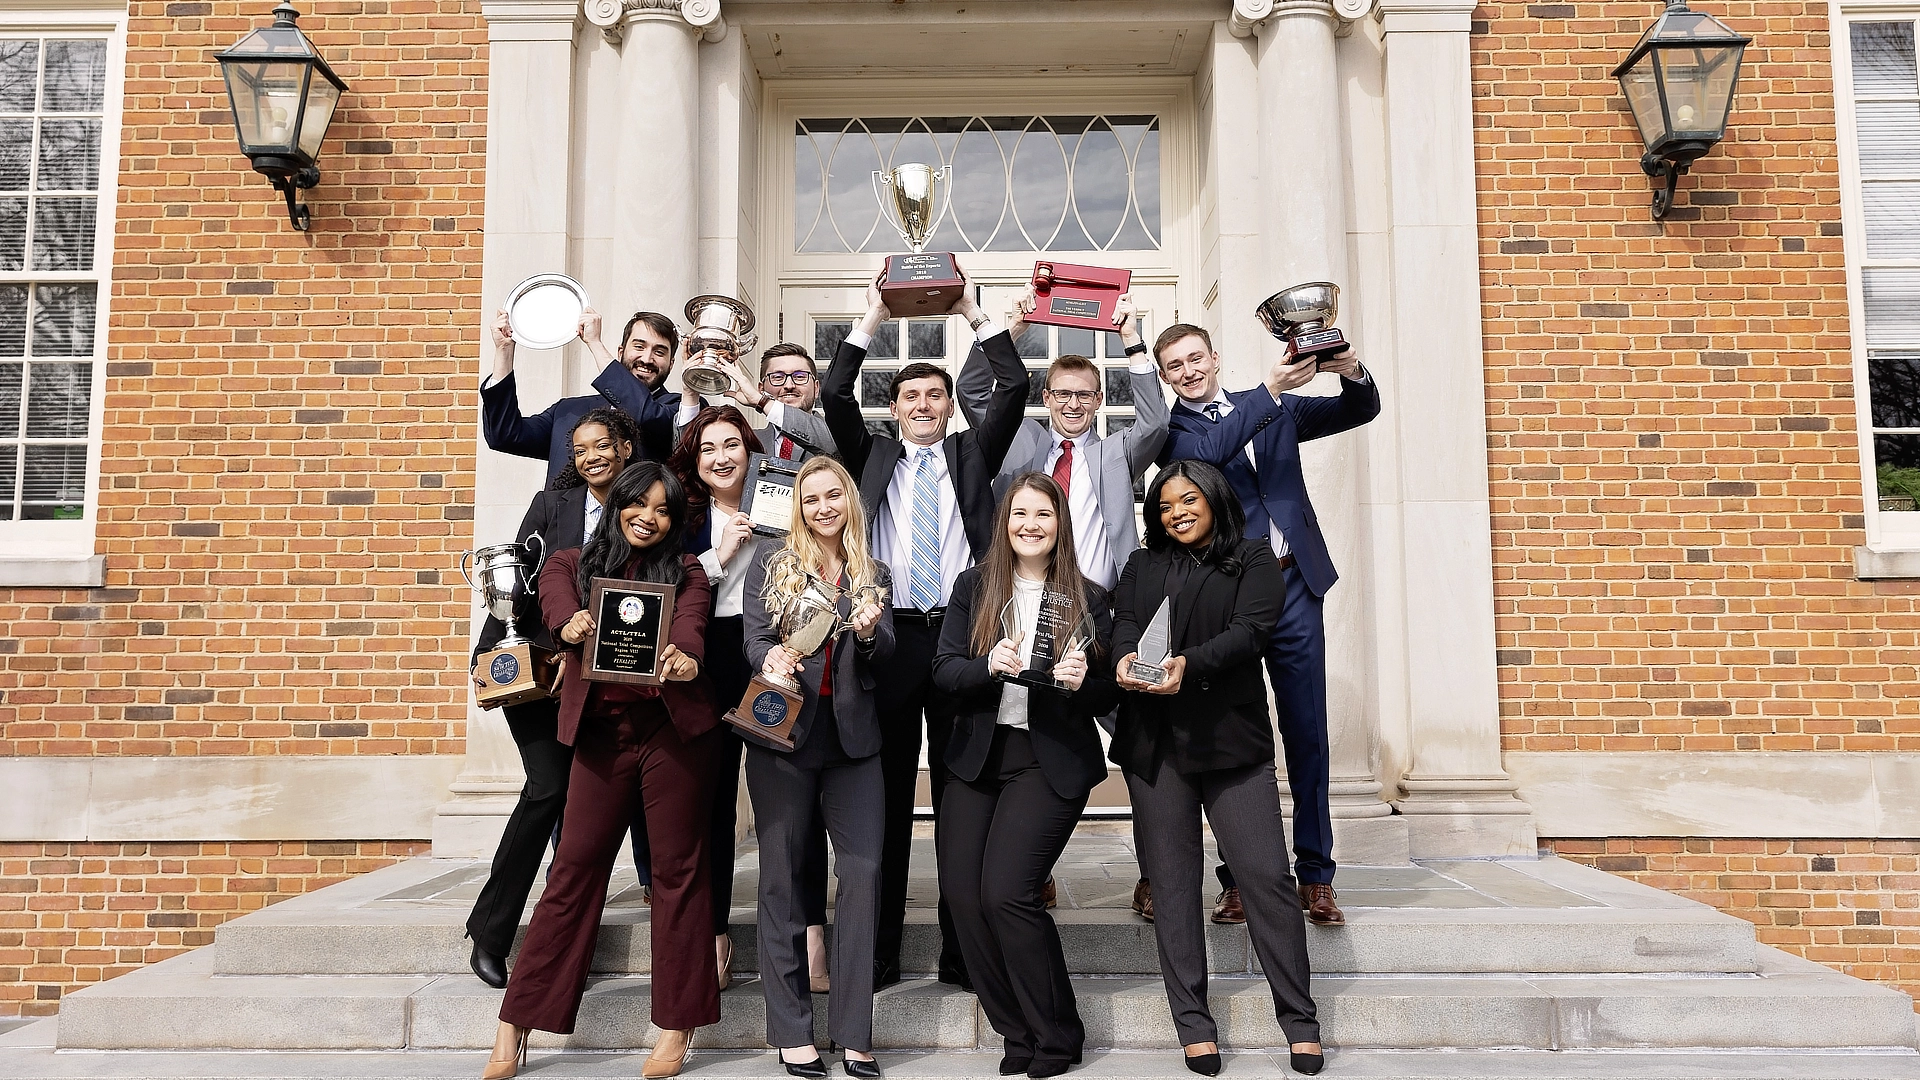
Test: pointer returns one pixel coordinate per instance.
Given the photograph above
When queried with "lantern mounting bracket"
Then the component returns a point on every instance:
(297, 212)
(1658, 167)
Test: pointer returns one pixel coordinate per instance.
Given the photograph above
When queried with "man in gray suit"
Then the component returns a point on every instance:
(789, 387)
(1098, 474)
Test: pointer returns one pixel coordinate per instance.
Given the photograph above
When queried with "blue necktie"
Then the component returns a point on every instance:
(1213, 411)
(923, 574)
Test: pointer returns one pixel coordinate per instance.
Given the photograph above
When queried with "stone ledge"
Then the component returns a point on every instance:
(78, 572)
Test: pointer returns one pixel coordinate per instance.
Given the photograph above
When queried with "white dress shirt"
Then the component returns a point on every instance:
(590, 519)
(1013, 696)
(729, 579)
(893, 533)
(1090, 545)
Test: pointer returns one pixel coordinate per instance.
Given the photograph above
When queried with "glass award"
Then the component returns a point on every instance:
(1059, 627)
(1149, 663)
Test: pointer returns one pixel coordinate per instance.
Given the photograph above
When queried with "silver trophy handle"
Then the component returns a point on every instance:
(942, 184)
(466, 558)
(537, 547)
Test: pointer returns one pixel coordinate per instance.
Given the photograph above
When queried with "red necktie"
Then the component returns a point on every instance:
(1063, 469)
(826, 672)
(786, 448)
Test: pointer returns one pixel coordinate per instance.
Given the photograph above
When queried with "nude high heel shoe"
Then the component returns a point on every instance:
(499, 1068)
(668, 1056)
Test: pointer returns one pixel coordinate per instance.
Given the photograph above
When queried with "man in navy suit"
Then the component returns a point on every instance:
(1254, 437)
(634, 383)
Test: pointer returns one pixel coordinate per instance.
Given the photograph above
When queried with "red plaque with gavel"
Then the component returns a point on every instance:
(1082, 296)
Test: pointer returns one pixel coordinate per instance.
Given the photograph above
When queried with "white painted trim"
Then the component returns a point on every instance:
(80, 572)
(67, 541)
(1886, 531)
(136, 799)
(1753, 795)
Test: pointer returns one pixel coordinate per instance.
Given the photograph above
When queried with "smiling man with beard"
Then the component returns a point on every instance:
(633, 382)
(929, 502)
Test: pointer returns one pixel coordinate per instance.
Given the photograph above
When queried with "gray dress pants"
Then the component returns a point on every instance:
(850, 796)
(1243, 806)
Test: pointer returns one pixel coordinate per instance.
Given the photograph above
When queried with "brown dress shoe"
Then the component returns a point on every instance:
(1143, 900)
(1049, 895)
(1228, 911)
(1317, 899)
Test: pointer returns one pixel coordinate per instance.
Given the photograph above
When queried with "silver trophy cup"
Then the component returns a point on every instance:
(722, 332)
(1303, 317)
(812, 618)
(505, 578)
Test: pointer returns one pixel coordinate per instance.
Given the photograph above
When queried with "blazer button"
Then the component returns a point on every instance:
(1205, 685)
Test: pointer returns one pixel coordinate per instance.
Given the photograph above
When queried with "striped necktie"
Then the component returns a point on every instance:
(923, 574)
(1213, 411)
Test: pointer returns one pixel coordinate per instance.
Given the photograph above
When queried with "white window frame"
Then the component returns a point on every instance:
(1893, 537)
(61, 553)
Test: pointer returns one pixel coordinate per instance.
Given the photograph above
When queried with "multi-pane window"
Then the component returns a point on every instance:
(927, 341)
(52, 102)
(1020, 183)
(1886, 116)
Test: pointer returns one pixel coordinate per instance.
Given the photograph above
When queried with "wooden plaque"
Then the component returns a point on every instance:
(925, 284)
(1081, 296)
(767, 499)
(631, 621)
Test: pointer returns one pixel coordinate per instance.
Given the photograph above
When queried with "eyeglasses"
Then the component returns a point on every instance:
(1082, 397)
(787, 378)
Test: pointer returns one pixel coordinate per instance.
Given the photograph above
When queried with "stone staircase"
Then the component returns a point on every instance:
(1519, 955)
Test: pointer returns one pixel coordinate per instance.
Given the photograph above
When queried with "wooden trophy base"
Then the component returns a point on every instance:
(1317, 345)
(1079, 296)
(514, 675)
(924, 284)
(768, 711)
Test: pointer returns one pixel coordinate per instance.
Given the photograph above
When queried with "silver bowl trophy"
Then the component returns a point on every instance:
(722, 332)
(544, 311)
(811, 619)
(1059, 627)
(922, 283)
(515, 670)
(1156, 645)
(1303, 318)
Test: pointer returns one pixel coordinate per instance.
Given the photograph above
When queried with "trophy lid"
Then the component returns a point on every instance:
(1157, 642)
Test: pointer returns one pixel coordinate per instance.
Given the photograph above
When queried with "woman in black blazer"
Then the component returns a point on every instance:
(1023, 759)
(833, 771)
(1200, 738)
(603, 441)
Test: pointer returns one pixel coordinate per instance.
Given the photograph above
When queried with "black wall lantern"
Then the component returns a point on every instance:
(1679, 82)
(283, 96)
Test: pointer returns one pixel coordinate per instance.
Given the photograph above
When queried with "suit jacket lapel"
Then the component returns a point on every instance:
(570, 530)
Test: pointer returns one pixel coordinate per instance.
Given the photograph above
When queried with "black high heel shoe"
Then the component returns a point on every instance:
(864, 1070)
(490, 967)
(1308, 1064)
(1204, 1064)
(811, 1070)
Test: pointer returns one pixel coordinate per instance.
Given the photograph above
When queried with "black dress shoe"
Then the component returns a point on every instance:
(885, 974)
(1204, 1064)
(1307, 1063)
(491, 967)
(1041, 1069)
(1014, 1064)
(955, 974)
(812, 1070)
(865, 1070)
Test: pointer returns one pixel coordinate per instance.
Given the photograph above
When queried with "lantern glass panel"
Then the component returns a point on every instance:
(1699, 83)
(1643, 97)
(266, 103)
(321, 101)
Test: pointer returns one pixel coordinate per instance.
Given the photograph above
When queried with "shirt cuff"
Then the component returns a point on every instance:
(710, 562)
(859, 338)
(686, 414)
(1144, 366)
(988, 329)
(1365, 376)
(775, 412)
(487, 382)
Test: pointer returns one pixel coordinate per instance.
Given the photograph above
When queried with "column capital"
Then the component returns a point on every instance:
(614, 16)
(530, 20)
(1250, 15)
(1426, 16)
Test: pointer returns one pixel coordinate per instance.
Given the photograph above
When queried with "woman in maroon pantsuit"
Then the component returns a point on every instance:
(649, 743)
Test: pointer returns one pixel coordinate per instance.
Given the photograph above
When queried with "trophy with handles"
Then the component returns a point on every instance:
(515, 670)
(722, 332)
(810, 620)
(924, 282)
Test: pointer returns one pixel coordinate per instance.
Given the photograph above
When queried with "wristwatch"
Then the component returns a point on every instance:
(979, 321)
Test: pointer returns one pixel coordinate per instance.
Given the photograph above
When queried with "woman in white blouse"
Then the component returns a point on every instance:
(1024, 756)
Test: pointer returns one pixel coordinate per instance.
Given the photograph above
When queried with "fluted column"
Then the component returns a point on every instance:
(529, 109)
(1458, 799)
(1303, 174)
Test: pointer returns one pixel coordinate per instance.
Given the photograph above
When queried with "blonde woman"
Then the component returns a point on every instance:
(834, 767)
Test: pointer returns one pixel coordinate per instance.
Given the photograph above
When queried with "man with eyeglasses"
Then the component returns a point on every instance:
(789, 387)
(1098, 474)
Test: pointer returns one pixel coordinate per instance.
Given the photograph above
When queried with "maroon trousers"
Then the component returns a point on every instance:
(638, 755)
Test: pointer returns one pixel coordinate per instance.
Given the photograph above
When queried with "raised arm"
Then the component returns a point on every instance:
(804, 427)
(849, 428)
(1008, 405)
(1216, 444)
(974, 388)
(503, 426)
(1318, 417)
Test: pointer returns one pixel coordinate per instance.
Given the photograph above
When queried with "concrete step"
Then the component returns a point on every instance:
(1789, 1003)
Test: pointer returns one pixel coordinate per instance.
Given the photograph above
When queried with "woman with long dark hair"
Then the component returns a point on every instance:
(1200, 739)
(1024, 760)
(833, 769)
(632, 743)
(562, 516)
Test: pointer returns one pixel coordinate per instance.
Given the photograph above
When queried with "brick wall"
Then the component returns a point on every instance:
(1853, 905)
(1675, 468)
(76, 914)
(287, 473)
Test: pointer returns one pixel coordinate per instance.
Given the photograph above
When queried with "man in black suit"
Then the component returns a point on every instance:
(929, 502)
(634, 383)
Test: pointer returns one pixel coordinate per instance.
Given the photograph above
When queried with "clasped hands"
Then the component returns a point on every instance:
(1176, 669)
(675, 666)
(1004, 659)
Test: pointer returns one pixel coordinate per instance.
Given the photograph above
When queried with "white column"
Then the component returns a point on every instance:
(1303, 163)
(1458, 799)
(529, 111)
